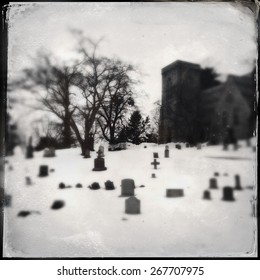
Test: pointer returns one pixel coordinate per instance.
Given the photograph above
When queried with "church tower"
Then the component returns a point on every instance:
(180, 98)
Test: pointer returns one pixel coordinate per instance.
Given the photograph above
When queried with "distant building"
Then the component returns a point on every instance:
(190, 114)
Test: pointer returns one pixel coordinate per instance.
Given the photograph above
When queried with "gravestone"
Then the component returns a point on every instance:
(237, 183)
(225, 147)
(52, 170)
(216, 174)
(57, 204)
(145, 147)
(142, 186)
(153, 175)
(206, 195)
(178, 146)
(199, 146)
(127, 187)
(24, 213)
(99, 163)
(78, 185)
(166, 152)
(102, 151)
(174, 193)
(155, 163)
(132, 205)
(155, 155)
(49, 152)
(29, 149)
(213, 183)
(62, 186)
(28, 181)
(94, 186)
(228, 194)
(109, 185)
(43, 171)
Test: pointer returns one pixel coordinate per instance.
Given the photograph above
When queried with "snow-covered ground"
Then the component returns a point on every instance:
(93, 222)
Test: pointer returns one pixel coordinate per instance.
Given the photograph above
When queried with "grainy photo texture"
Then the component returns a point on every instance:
(130, 130)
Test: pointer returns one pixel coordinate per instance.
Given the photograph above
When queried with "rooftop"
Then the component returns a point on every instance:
(178, 63)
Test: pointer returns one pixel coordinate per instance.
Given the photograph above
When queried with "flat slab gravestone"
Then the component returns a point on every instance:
(228, 194)
(44, 171)
(127, 187)
(132, 205)
(174, 193)
(57, 204)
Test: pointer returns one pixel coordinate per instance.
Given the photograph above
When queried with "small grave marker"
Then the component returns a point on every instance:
(94, 186)
(78, 185)
(213, 183)
(155, 163)
(127, 187)
(57, 204)
(28, 181)
(237, 183)
(153, 175)
(206, 195)
(101, 150)
(228, 194)
(62, 186)
(174, 193)
(132, 205)
(49, 152)
(166, 152)
(44, 171)
(155, 155)
(109, 185)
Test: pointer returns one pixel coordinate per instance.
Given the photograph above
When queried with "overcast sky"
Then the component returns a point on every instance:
(150, 35)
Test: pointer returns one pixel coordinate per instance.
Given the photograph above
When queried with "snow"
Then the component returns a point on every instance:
(93, 222)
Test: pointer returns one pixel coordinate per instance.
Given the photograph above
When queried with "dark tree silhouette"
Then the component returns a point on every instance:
(209, 78)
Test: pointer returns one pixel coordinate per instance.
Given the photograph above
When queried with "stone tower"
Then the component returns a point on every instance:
(179, 120)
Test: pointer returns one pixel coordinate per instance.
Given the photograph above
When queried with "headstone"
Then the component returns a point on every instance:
(145, 147)
(178, 146)
(132, 205)
(199, 146)
(213, 183)
(94, 186)
(52, 170)
(102, 151)
(206, 195)
(109, 185)
(237, 183)
(248, 142)
(44, 171)
(57, 204)
(228, 194)
(49, 152)
(29, 149)
(155, 163)
(24, 213)
(99, 163)
(174, 193)
(142, 186)
(225, 147)
(216, 174)
(28, 181)
(166, 152)
(155, 155)
(62, 186)
(78, 185)
(127, 187)
(153, 175)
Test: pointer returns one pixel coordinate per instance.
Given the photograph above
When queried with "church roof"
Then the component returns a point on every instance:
(180, 63)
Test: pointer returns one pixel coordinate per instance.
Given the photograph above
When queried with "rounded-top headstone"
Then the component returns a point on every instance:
(62, 186)
(228, 194)
(109, 185)
(78, 185)
(132, 205)
(95, 186)
(127, 187)
(206, 195)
